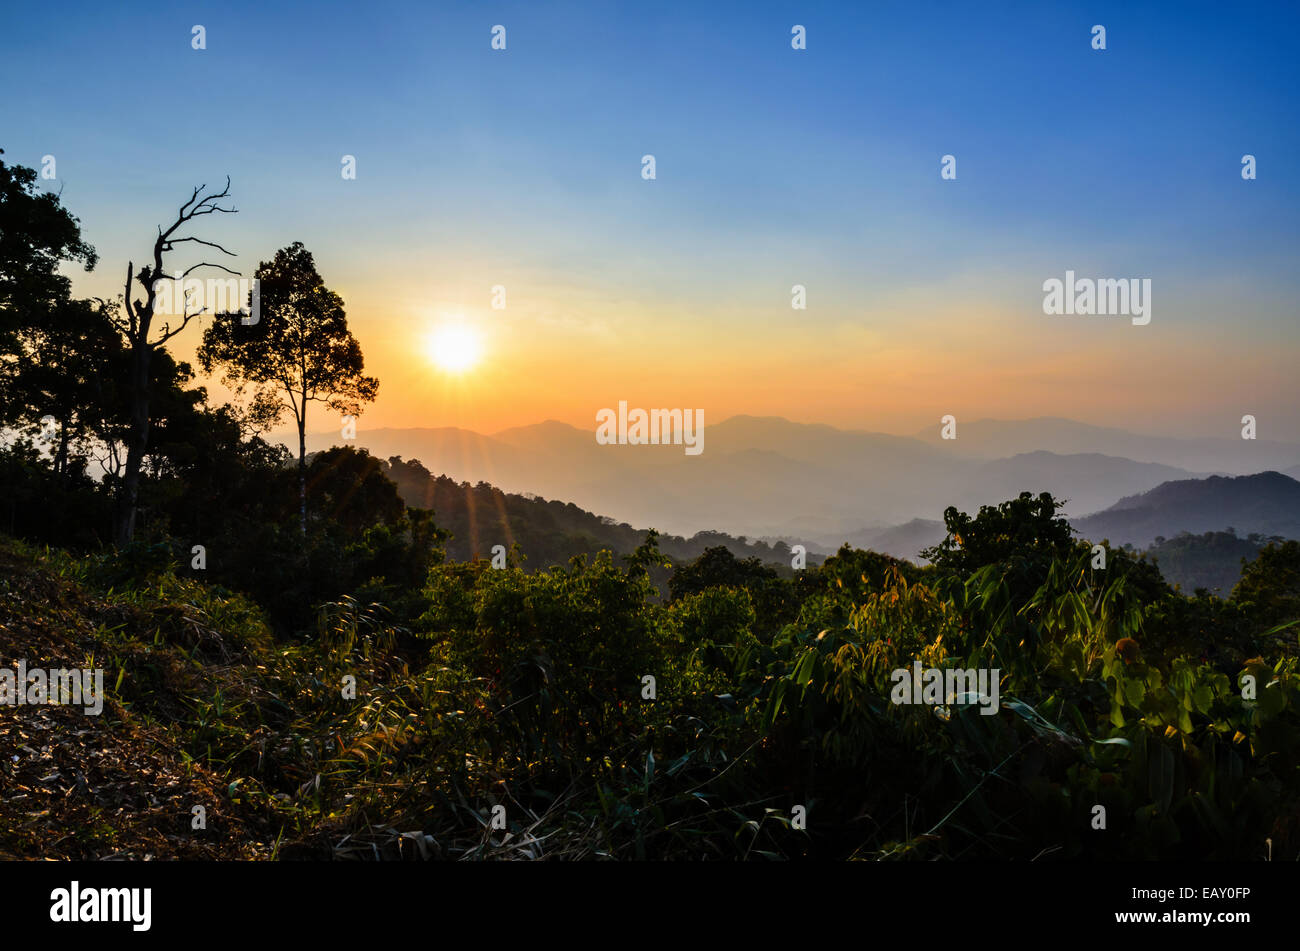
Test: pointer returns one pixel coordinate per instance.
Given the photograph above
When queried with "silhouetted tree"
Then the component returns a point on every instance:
(37, 234)
(717, 567)
(136, 325)
(1025, 528)
(63, 370)
(299, 351)
(351, 486)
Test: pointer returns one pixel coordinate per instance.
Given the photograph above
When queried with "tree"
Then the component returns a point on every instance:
(299, 351)
(352, 486)
(37, 234)
(1270, 585)
(62, 371)
(136, 325)
(1022, 529)
(717, 567)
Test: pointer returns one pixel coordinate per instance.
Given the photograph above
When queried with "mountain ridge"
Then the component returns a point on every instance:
(770, 476)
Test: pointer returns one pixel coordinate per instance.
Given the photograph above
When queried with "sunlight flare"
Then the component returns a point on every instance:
(455, 347)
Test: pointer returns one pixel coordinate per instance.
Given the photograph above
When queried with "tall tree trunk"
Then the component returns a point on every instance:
(136, 443)
(135, 326)
(302, 471)
(61, 456)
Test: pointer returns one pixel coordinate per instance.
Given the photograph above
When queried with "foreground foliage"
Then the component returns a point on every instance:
(387, 736)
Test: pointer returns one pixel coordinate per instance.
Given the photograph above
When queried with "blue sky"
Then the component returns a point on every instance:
(774, 167)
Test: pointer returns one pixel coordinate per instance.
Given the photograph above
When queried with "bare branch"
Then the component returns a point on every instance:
(193, 195)
(208, 205)
(169, 246)
(211, 208)
(194, 207)
(208, 264)
(185, 320)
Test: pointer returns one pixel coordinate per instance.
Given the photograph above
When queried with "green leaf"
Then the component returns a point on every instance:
(803, 672)
(1116, 714)
(1134, 693)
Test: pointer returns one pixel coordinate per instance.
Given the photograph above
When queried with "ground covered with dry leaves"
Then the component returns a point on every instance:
(118, 784)
(203, 707)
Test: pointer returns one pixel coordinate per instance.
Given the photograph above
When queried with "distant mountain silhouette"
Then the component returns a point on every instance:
(810, 483)
(1191, 516)
(1226, 454)
(1085, 481)
(901, 541)
(1267, 503)
(548, 532)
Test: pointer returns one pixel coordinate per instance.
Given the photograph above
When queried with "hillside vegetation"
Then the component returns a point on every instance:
(550, 531)
(527, 691)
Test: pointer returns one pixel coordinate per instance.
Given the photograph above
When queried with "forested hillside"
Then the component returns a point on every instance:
(570, 714)
(549, 532)
(1267, 503)
(1212, 561)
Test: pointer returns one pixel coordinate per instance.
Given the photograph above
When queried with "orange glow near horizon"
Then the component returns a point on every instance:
(445, 358)
(499, 372)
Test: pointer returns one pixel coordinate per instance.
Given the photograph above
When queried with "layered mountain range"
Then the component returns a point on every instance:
(768, 477)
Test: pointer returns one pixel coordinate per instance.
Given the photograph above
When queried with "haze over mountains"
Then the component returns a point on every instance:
(1227, 454)
(770, 477)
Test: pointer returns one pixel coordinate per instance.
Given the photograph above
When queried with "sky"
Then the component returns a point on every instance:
(774, 167)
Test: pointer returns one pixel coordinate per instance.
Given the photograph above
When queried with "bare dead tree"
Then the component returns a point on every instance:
(136, 326)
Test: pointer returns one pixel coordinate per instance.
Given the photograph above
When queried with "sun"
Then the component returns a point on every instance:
(455, 347)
